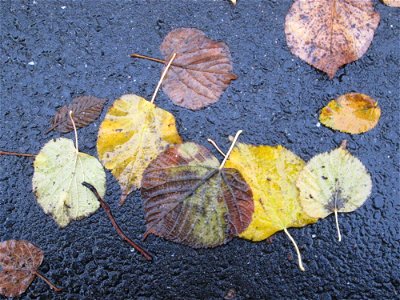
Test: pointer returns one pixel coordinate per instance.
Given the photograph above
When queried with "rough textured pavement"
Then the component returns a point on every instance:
(52, 51)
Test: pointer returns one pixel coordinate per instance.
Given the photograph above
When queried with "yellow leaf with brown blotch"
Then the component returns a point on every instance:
(333, 182)
(132, 134)
(352, 113)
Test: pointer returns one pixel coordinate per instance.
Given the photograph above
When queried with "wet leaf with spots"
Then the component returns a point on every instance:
(132, 134)
(330, 33)
(352, 113)
(85, 110)
(333, 182)
(271, 172)
(19, 263)
(189, 199)
(201, 71)
(59, 171)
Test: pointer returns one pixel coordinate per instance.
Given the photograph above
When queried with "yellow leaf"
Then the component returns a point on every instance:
(132, 134)
(271, 172)
(333, 182)
(59, 172)
(352, 113)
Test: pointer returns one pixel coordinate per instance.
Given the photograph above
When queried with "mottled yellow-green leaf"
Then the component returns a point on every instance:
(352, 113)
(271, 172)
(132, 134)
(332, 181)
(59, 172)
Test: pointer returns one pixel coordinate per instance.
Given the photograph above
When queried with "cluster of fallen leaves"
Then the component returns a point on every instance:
(189, 196)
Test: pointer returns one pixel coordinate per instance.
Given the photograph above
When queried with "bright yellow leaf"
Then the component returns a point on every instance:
(271, 172)
(132, 134)
(352, 113)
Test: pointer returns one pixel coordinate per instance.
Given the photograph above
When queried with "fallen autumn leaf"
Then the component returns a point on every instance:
(330, 33)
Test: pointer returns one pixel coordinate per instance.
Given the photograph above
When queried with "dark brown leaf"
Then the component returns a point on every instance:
(330, 33)
(85, 110)
(19, 260)
(189, 200)
(201, 71)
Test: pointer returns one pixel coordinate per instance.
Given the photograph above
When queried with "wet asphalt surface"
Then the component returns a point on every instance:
(52, 51)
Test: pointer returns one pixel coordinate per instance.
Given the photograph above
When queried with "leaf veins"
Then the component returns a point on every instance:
(188, 199)
(330, 33)
(85, 110)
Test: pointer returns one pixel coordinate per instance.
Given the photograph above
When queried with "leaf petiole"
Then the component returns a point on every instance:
(45, 279)
(107, 209)
(297, 249)
(230, 149)
(216, 147)
(76, 133)
(17, 154)
(164, 73)
(137, 55)
(337, 225)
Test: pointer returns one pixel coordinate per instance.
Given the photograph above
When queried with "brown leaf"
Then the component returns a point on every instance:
(85, 110)
(201, 71)
(19, 261)
(330, 33)
(188, 199)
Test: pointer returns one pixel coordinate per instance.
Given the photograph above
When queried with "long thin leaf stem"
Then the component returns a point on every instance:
(216, 147)
(107, 209)
(297, 249)
(45, 279)
(230, 149)
(137, 55)
(17, 154)
(162, 77)
(337, 225)
(76, 133)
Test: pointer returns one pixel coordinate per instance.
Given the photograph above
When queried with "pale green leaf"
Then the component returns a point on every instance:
(59, 172)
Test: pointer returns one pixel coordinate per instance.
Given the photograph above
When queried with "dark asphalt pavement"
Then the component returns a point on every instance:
(52, 51)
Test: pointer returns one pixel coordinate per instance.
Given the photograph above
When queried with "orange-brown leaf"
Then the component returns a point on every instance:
(330, 33)
(352, 113)
(394, 3)
(201, 71)
(19, 260)
(85, 110)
